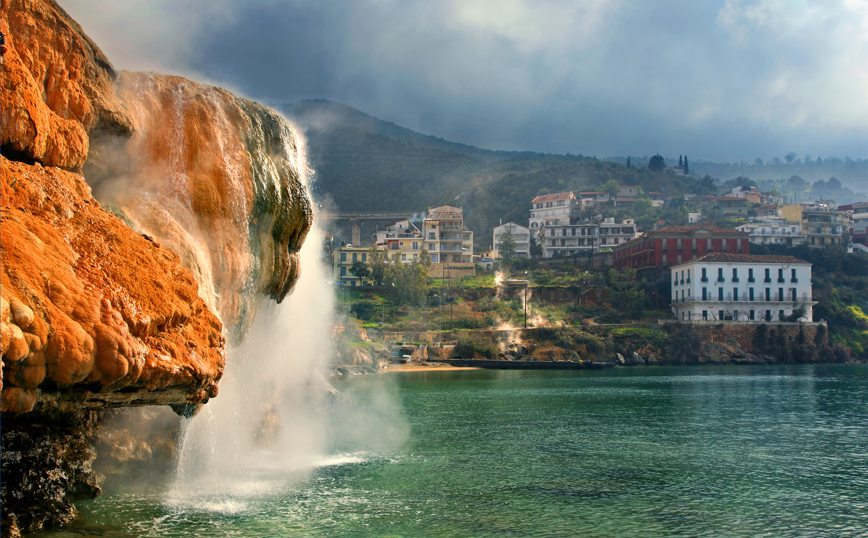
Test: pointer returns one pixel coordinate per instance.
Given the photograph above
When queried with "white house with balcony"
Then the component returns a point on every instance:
(742, 287)
(521, 236)
(552, 209)
(569, 239)
(775, 231)
(445, 236)
(613, 233)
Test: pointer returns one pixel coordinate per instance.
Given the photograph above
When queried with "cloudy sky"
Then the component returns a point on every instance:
(722, 80)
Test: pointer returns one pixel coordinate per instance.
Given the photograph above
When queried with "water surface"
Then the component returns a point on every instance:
(664, 451)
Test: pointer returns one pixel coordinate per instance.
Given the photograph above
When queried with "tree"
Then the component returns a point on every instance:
(642, 206)
(680, 161)
(686, 166)
(360, 269)
(611, 187)
(377, 266)
(656, 163)
(628, 162)
(506, 247)
(790, 157)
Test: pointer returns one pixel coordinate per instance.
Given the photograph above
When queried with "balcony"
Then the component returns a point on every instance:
(781, 279)
(735, 279)
(751, 279)
(767, 279)
(794, 280)
(703, 279)
(720, 279)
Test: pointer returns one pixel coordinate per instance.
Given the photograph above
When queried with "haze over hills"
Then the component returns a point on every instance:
(363, 163)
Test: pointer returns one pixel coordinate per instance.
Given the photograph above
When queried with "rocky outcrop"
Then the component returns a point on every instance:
(57, 86)
(202, 207)
(218, 179)
(94, 314)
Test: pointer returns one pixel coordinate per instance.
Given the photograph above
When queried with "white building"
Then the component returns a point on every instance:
(628, 191)
(593, 199)
(613, 233)
(741, 287)
(446, 237)
(520, 235)
(773, 232)
(552, 209)
(569, 239)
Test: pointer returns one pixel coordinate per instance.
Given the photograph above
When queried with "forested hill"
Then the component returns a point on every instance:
(366, 164)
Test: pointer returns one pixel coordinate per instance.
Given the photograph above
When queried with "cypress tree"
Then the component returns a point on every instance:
(686, 168)
(680, 163)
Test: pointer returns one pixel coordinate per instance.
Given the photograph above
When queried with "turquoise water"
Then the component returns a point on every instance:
(695, 451)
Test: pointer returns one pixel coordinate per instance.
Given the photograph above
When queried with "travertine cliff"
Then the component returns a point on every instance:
(117, 299)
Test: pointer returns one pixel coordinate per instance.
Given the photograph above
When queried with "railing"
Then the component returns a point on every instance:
(745, 298)
(703, 279)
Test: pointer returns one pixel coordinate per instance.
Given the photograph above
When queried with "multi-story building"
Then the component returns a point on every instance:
(446, 237)
(569, 239)
(730, 206)
(520, 235)
(858, 214)
(773, 232)
(740, 287)
(552, 209)
(343, 259)
(613, 233)
(401, 240)
(821, 225)
(593, 199)
(673, 245)
(628, 191)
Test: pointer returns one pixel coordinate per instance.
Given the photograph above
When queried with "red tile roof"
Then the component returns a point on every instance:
(550, 197)
(724, 257)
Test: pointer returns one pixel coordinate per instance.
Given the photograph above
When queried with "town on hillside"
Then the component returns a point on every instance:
(714, 276)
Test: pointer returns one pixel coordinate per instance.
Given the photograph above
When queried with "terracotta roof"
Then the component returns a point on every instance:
(550, 197)
(625, 199)
(723, 257)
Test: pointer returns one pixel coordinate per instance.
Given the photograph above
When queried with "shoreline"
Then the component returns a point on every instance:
(433, 367)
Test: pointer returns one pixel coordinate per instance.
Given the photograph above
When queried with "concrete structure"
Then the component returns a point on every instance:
(730, 206)
(446, 237)
(858, 214)
(569, 239)
(741, 287)
(552, 209)
(673, 245)
(401, 240)
(821, 225)
(342, 260)
(613, 233)
(520, 234)
(593, 199)
(773, 232)
(628, 191)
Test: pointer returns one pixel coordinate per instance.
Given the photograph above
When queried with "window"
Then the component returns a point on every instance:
(720, 294)
(704, 275)
(560, 203)
(768, 294)
(704, 294)
(343, 256)
(688, 276)
(750, 291)
(734, 274)
(705, 314)
(768, 315)
(793, 277)
(793, 294)
(780, 275)
(720, 314)
(750, 275)
(735, 294)
(768, 275)
(720, 275)
(403, 257)
(751, 315)
(364, 256)
(431, 235)
(780, 294)
(343, 271)
(780, 315)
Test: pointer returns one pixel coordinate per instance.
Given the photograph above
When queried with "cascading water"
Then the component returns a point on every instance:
(267, 427)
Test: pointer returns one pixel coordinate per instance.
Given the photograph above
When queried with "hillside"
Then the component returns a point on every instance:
(366, 164)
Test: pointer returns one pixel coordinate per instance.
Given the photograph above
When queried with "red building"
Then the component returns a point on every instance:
(677, 244)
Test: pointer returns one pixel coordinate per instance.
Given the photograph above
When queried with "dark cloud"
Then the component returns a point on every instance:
(725, 80)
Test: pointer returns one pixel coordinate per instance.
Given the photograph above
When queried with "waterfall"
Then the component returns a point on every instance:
(267, 426)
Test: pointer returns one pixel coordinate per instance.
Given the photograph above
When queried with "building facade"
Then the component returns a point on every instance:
(821, 225)
(740, 287)
(613, 233)
(446, 237)
(342, 261)
(520, 234)
(858, 214)
(569, 239)
(674, 245)
(773, 232)
(401, 240)
(552, 209)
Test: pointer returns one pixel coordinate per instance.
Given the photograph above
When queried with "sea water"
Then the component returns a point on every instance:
(660, 451)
